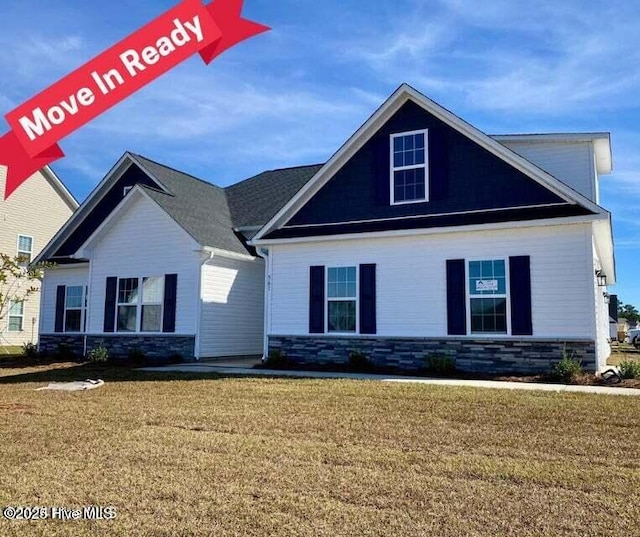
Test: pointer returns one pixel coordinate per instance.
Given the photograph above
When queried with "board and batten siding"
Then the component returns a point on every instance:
(571, 162)
(232, 309)
(60, 275)
(145, 241)
(411, 278)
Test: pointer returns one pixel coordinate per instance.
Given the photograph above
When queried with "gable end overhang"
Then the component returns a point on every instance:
(402, 95)
(94, 197)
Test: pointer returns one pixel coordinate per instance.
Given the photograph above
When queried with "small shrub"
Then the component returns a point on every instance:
(567, 368)
(629, 369)
(359, 361)
(98, 355)
(277, 359)
(30, 350)
(441, 365)
(136, 356)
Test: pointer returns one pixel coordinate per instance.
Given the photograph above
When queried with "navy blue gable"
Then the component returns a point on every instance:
(99, 213)
(456, 298)
(520, 290)
(438, 164)
(316, 300)
(463, 177)
(368, 299)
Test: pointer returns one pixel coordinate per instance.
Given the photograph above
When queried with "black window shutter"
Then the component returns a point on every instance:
(110, 304)
(520, 289)
(381, 170)
(316, 300)
(367, 299)
(613, 307)
(456, 299)
(438, 164)
(170, 299)
(60, 298)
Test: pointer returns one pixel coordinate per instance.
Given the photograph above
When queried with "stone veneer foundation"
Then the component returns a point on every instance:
(511, 355)
(159, 346)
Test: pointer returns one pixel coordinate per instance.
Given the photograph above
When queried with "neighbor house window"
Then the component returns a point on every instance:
(409, 173)
(488, 296)
(341, 299)
(16, 316)
(139, 307)
(75, 307)
(25, 248)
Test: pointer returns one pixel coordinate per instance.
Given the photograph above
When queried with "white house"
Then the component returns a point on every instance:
(421, 236)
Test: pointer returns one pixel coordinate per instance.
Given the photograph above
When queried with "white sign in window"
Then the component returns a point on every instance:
(486, 285)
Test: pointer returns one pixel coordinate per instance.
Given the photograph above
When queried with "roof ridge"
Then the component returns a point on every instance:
(208, 183)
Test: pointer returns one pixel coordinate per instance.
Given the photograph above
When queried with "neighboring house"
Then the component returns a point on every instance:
(420, 237)
(30, 218)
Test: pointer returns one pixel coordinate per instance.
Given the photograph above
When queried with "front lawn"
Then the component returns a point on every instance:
(186, 455)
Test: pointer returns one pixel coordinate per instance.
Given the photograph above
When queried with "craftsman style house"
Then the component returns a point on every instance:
(29, 218)
(421, 236)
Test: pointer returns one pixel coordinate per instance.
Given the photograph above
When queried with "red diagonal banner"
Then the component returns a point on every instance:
(40, 123)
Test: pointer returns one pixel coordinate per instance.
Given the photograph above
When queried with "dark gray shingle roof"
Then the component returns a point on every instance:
(255, 201)
(210, 213)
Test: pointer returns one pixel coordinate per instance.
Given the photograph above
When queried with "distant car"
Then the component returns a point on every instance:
(633, 337)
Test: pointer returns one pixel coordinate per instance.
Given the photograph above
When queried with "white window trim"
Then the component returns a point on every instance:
(506, 295)
(82, 308)
(19, 252)
(341, 299)
(393, 169)
(139, 304)
(21, 316)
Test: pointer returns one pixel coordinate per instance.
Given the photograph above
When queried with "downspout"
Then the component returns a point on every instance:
(209, 256)
(264, 254)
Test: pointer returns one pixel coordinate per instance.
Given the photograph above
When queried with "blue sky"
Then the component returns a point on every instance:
(294, 95)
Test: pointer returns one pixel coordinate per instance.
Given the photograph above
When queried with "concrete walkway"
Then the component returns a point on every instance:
(217, 368)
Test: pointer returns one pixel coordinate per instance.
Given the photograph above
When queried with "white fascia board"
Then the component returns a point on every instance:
(94, 197)
(437, 231)
(403, 94)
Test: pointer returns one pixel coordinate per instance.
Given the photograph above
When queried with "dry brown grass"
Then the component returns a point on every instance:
(223, 456)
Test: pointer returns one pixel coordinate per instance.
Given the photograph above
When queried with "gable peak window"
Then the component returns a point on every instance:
(409, 170)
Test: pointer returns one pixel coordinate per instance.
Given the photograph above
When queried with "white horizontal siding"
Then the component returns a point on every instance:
(572, 163)
(411, 278)
(232, 310)
(60, 275)
(145, 241)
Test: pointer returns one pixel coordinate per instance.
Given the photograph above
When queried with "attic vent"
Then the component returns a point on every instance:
(125, 190)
